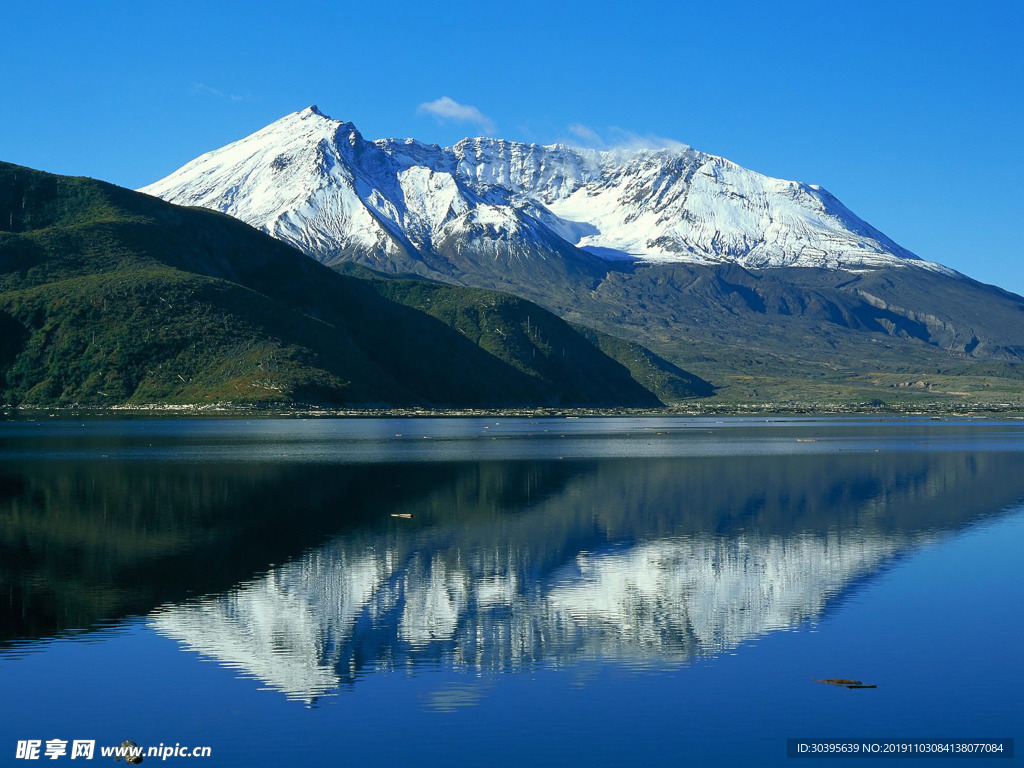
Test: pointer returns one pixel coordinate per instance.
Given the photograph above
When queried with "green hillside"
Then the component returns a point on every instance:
(109, 296)
(528, 337)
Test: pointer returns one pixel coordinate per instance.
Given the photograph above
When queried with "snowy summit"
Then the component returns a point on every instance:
(318, 184)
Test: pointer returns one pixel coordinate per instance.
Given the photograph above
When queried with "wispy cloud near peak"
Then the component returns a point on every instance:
(202, 89)
(623, 139)
(447, 109)
(620, 139)
(588, 135)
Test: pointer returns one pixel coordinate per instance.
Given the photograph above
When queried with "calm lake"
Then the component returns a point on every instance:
(520, 592)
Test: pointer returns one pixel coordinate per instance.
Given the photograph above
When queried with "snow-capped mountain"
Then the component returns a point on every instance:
(401, 205)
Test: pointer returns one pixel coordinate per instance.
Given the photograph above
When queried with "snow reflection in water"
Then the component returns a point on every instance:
(315, 624)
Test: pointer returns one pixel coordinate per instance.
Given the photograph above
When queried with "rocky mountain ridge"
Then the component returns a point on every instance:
(318, 184)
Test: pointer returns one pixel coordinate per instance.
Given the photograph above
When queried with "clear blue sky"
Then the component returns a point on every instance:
(911, 113)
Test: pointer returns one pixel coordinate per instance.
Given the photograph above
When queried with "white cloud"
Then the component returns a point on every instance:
(207, 90)
(589, 136)
(447, 109)
(622, 140)
(203, 89)
(628, 140)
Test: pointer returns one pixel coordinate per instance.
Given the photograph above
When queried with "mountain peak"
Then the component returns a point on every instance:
(343, 197)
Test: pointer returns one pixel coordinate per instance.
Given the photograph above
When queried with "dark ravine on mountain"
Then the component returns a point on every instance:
(109, 296)
(769, 289)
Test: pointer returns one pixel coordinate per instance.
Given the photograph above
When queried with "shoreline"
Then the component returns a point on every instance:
(306, 411)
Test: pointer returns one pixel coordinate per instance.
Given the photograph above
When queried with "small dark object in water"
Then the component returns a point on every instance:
(131, 759)
(842, 682)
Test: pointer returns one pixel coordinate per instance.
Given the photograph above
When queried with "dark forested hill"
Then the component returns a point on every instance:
(110, 296)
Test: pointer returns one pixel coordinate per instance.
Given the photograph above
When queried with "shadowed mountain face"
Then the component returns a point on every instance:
(644, 548)
(818, 335)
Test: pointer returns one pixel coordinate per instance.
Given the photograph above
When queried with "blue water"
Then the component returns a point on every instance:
(605, 592)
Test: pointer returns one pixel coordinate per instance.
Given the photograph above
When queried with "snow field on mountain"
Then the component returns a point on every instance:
(317, 184)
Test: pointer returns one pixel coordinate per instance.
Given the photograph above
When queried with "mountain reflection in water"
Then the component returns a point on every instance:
(651, 563)
(273, 548)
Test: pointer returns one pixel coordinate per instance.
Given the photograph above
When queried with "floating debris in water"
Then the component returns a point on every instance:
(843, 682)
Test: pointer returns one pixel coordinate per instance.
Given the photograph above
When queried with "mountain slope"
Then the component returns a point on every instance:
(815, 335)
(110, 296)
(318, 184)
(517, 331)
